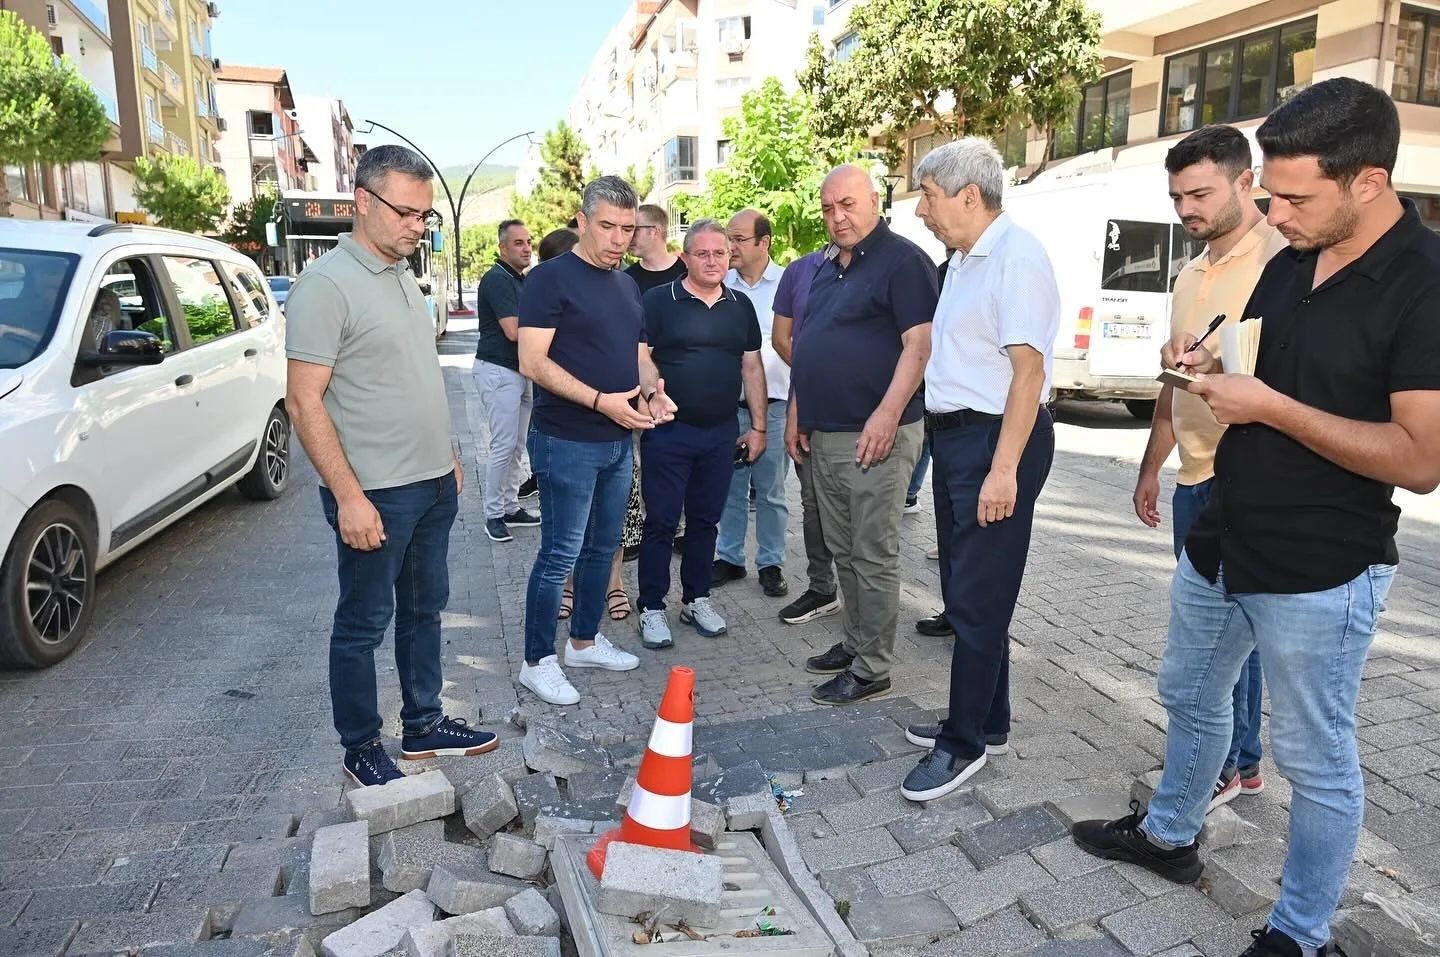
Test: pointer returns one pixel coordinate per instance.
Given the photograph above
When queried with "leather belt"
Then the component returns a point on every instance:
(959, 419)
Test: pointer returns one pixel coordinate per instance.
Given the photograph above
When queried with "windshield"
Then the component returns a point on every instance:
(32, 290)
(279, 283)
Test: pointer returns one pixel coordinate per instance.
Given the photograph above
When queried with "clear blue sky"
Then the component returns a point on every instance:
(455, 76)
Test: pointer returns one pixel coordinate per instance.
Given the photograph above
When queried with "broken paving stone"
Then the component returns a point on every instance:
(707, 824)
(531, 914)
(684, 885)
(548, 828)
(488, 806)
(596, 785)
(508, 761)
(533, 793)
(562, 753)
(1390, 928)
(516, 857)
(743, 779)
(400, 803)
(897, 921)
(469, 889)
(1091, 807)
(988, 842)
(340, 867)
(467, 945)
(1224, 828)
(1144, 787)
(407, 856)
(382, 929)
(436, 940)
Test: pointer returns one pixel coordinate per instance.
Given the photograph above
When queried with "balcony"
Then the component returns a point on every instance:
(112, 108)
(202, 109)
(155, 131)
(174, 87)
(167, 20)
(149, 59)
(179, 145)
(96, 14)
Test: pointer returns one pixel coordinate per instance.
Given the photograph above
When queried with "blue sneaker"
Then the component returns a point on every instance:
(452, 737)
(497, 530)
(370, 766)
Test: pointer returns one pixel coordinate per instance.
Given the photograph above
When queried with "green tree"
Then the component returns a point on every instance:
(556, 198)
(246, 228)
(643, 182)
(48, 112)
(180, 194)
(966, 66)
(478, 244)
(777, 165)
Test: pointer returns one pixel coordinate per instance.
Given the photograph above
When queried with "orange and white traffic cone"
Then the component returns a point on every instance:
(658, 814)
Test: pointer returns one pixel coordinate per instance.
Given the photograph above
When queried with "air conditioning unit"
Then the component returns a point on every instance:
(215, 64)
(213, 9)
(734, 48)
(51, 17)
(221, 124)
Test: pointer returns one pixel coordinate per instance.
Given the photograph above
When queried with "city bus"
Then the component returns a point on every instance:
(312, 222)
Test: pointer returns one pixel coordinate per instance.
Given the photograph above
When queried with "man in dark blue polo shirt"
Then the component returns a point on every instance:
(856, 420)
(705, 340)
(582, 342)
(1295, 552)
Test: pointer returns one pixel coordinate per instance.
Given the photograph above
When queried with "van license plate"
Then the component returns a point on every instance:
(1126, 330)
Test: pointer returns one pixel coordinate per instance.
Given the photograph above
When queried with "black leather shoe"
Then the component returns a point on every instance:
(829, 662)
(772, 581)
(937, 775)
(722, 572)
(1123, 840)
(1273, 943)
(846, 688)
(936, 626)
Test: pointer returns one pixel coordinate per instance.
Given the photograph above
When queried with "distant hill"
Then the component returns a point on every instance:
(488, 198)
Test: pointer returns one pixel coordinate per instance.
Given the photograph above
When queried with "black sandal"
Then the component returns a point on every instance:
(567, 603)
(617, 603)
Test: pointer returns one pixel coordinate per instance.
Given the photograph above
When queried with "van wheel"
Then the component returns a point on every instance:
(268, 477)
(1141, 408)
(47, 587)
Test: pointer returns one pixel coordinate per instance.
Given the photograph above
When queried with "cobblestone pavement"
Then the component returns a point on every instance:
(159, 784)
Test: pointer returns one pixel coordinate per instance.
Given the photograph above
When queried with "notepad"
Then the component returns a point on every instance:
(1176, 378)
(1240, 345)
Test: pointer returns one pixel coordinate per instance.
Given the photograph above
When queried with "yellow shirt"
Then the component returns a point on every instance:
(1203, 290)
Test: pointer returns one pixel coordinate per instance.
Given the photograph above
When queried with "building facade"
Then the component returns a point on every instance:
(326, 127)
(264, 146)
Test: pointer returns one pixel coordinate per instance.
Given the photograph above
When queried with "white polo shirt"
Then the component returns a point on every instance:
(1002, 294)
(762, 295)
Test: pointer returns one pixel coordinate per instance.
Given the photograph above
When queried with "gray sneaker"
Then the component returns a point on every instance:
(655, 629)
(704, 617)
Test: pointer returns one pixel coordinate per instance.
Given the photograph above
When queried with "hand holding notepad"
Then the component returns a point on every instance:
(1179, 377)
(1240, 345)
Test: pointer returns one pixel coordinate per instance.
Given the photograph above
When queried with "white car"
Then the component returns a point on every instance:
(142, 372)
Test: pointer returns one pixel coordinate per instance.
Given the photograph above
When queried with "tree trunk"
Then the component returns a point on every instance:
(4, 196)
(1045, 157)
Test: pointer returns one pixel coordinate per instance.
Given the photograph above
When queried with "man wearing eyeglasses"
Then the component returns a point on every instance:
(367, 399)
(755, 274)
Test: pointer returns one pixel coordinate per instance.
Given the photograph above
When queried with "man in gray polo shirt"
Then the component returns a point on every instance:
(367, 400)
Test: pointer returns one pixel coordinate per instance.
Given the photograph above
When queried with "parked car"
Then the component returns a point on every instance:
(142, 373)
(280, 288)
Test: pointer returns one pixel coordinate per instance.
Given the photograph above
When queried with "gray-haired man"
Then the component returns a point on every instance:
(992, 343)
(368, 401)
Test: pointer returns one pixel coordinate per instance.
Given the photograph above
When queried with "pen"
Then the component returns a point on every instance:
(1214, 324)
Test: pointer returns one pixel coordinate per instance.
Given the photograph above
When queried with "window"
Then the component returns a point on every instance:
(1239, 79)
(260, 123)
(846, 46)
(248, 291)
(149, 107)
(733, 30)
(724, 149)
(207, 309)
(1102, 120)
(1183, 249)
(1417, 57)
(32, 291)
(1012, 143)
(731, 88)
(817, 15)
(680, 160)
(1136, 258)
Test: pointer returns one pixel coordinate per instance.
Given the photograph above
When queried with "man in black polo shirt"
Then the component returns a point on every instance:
(705, 340)
(1295, 551)
(855, 419)
(506, 392)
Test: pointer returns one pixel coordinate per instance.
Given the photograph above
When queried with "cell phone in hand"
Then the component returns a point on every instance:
(742, 455)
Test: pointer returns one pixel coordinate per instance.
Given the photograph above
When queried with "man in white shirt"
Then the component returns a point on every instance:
(992, 444)
(756, 275)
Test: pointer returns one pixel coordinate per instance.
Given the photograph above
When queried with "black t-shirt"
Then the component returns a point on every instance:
(1282, 519)
(498, 297)
(598, 327)
(843, 365)
(648, 279)
(697, 349)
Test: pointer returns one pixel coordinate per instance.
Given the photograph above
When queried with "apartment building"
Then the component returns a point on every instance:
(669, 73)
(149, 63)
(1171, 67)
(325, 125)
(264, 146)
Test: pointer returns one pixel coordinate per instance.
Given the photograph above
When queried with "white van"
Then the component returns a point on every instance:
(1116, 246)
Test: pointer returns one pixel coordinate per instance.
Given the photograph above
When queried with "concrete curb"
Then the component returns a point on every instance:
(780, 844)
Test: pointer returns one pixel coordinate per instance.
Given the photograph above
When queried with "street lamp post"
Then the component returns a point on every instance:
(455, 205)
(892, 180)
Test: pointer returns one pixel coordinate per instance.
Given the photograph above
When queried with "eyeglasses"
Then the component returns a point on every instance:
(742, 239)
(421, 216)
(639, 228)
(710, 254)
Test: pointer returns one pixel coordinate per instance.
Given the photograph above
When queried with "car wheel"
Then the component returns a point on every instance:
(1141, 408)
(47, 586)
(269, 475)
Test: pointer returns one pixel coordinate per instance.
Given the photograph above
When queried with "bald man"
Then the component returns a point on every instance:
(855, 420)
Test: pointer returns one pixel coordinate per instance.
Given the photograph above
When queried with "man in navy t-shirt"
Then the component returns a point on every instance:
(855, 418)
(582, 342)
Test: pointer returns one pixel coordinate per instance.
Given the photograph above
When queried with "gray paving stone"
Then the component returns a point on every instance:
(979, 894)
(466, 890)
(1231, 938)
(516, 857)
(531, 914)
(1408, 829)
(289, 912)
(1369, 931)
(312, 821)
(880, 807)
(924, 871)
(1004, 932)
(467, 945)
(437, 939)
(638, 879)
(340, 867)
(938, 823)
(1091, 807)
(408, 855)
(1004, 795)
(96, 900)
(822, 792)
(547, 828)
(848, 884)
(534, 792)
(112, 932)
(707, 823)
(1083, 900)
(848, 850)
(380, 930)
(1224, 828)
(415, 798)
(1103, 947)
(489, 805)
(165, 865)
(1416, 869)
(896, 921)
(562, 753)
(229, 887)
(1164, 922)
(1242, 882)
(988, 842)
(598, 785)
(882, 775)
(508, 761)
(37, 938)
(293, 945)
(1064, 860)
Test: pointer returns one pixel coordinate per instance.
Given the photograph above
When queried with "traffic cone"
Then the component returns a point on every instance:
(658, 814)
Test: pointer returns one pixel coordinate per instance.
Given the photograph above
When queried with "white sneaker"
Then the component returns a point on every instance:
(704, 617)
(549, 682)
(655, 629)
(602, 654)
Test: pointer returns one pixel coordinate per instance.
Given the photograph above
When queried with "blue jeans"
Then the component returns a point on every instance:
(922, 465)
(682, 468)
(407, 578)
(1313, 647)
(772, 513)
(1245, 748)
(584, 487)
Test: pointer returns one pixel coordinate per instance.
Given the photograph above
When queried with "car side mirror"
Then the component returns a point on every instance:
(126, 347)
